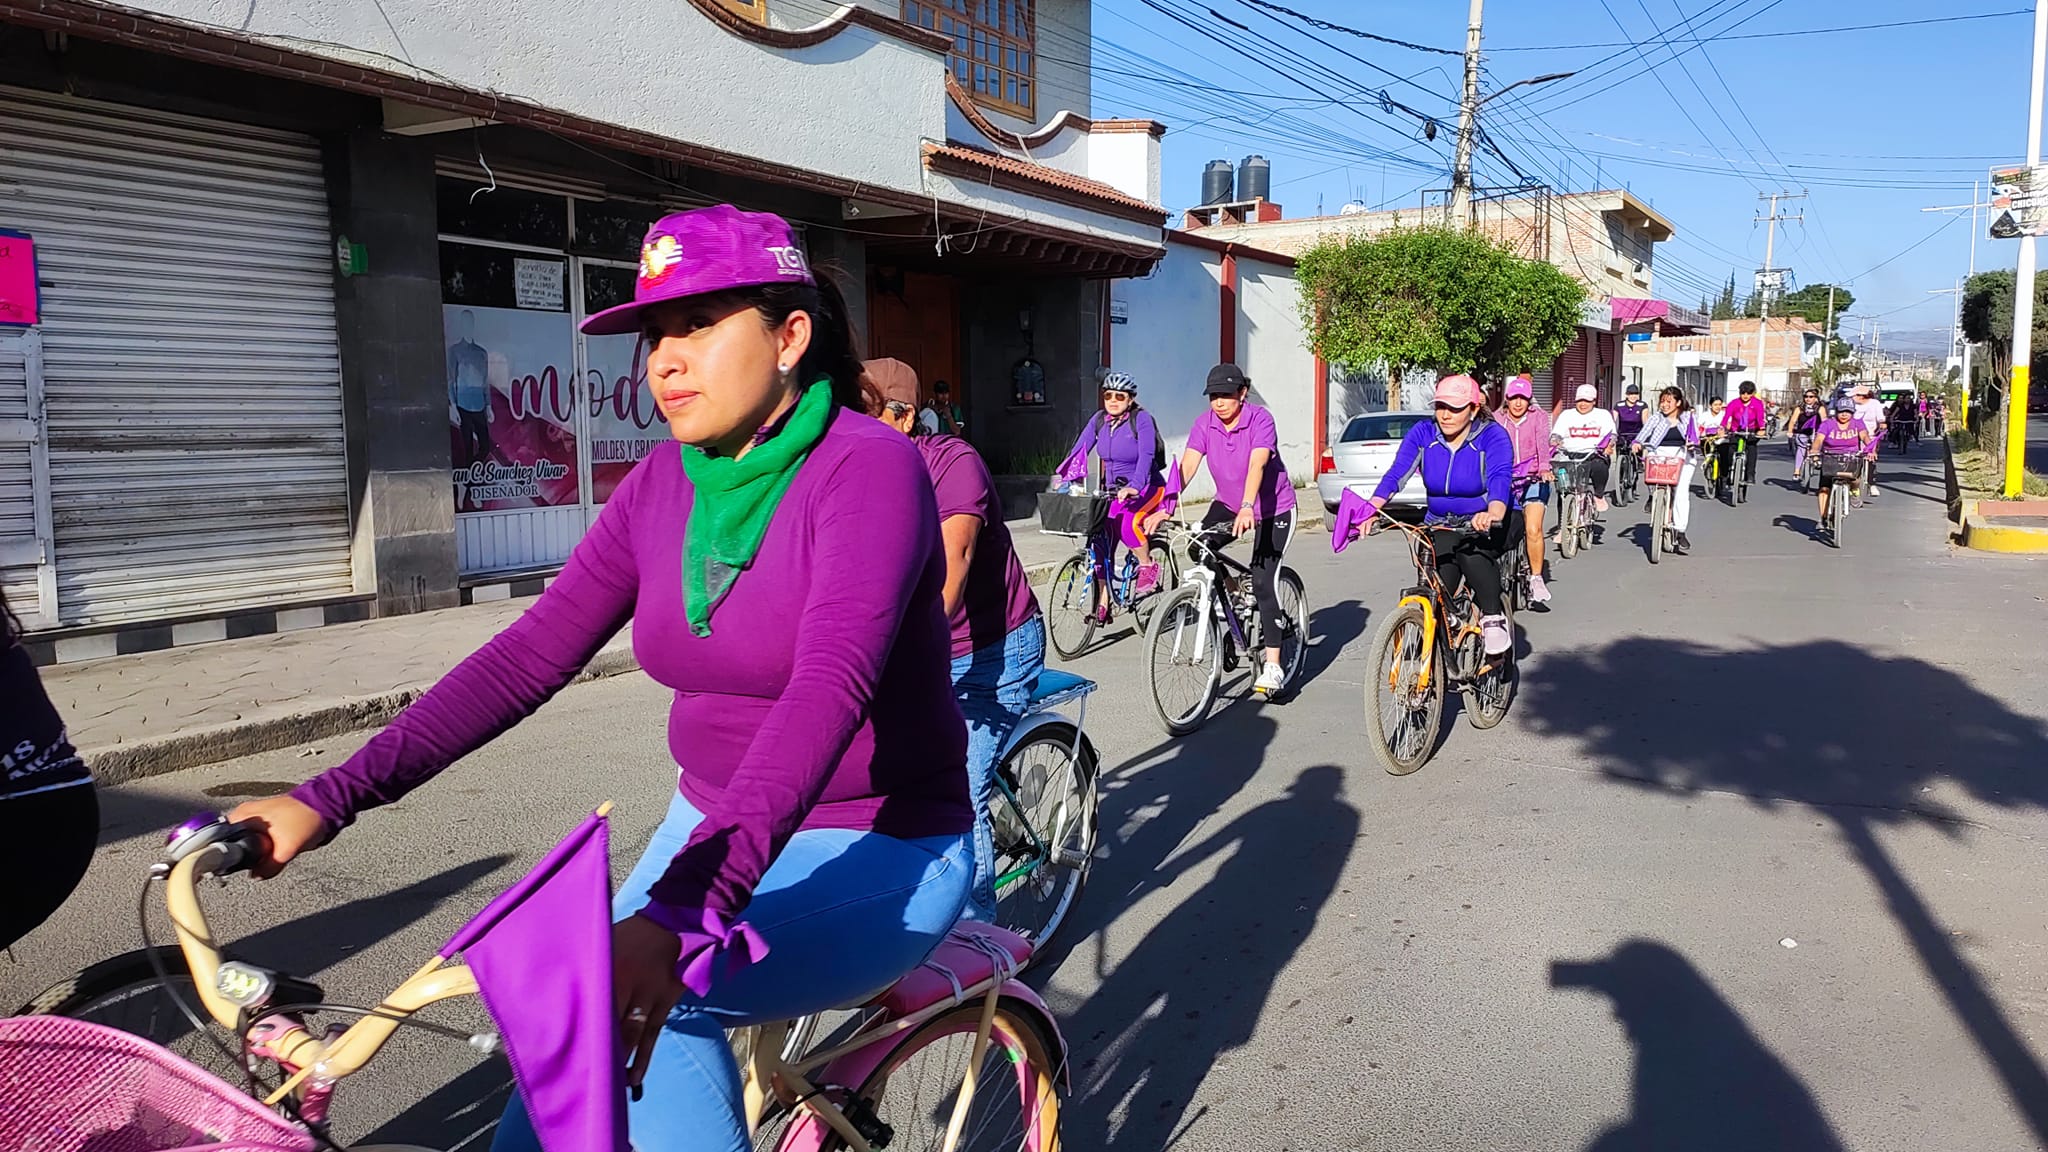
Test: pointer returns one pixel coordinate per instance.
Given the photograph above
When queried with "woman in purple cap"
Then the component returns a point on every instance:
(1253, 494)
(782, 571)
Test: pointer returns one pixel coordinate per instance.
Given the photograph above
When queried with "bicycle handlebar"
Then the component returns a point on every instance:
(208, 845)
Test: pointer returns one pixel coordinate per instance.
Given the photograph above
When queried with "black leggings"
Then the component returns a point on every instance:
(1269, 543)
(1474, 557)
(46, 841)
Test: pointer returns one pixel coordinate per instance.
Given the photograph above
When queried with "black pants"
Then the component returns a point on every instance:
(46, 841)
(476, 434)
(1474, 557)
(1269, 543)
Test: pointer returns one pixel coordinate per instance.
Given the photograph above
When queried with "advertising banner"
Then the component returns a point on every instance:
(511, 407)
(625, 423)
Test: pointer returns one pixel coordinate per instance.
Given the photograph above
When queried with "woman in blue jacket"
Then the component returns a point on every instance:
(1468, 466)
(1124, 438)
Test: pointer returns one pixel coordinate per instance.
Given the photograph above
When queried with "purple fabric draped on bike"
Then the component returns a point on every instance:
(1353, 512)
(542, 955)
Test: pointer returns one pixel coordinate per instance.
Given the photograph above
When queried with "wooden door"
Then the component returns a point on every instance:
(915, 317)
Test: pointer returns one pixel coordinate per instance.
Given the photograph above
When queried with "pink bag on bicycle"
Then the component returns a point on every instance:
(1663, 471)
(70, 1086)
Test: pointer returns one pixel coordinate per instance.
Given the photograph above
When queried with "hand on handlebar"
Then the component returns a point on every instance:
(1245, 522)
(285, 828)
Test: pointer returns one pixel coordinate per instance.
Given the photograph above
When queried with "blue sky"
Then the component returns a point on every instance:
(1873, 125)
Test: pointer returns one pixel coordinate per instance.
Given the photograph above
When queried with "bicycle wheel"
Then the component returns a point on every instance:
(1293, 625)
(1045, 836)
(1660, 514)
(1568, 528)
(1401, 716)
(1488, 695)
(1015, 1106)
(128, 993)
(1838, 501)
(1183, 682)
(1070, 606)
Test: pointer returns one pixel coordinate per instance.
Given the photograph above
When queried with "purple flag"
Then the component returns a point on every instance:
(542, 955)
(1353, 512)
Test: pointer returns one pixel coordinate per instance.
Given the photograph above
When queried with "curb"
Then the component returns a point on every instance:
(122, 763)
(1987, 536)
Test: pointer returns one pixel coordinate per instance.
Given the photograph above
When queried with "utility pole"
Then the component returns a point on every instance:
(1764, 282)
(1827, 339)
(1468, 123)
(2023, 303)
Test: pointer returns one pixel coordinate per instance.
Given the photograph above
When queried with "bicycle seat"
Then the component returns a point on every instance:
(972, 952)
(1055, 688)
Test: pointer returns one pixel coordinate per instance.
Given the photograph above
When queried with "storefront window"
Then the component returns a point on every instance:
(613, 229)
(511, 389)
(625, 424)
(511, 215)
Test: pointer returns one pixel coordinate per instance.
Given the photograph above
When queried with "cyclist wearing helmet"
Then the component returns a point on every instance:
(1468, 465)
(1125, 439)
(1528, 428)
(998, 633)
(1840, 441)
(1253, 494)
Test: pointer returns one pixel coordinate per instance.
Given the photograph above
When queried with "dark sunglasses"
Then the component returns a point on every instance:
(1115, 395)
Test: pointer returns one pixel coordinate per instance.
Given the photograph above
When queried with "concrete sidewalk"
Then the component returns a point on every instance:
(134, 716)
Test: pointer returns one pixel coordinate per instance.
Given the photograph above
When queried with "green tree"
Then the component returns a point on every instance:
(1988, 299)
(1724, 305)
(1811, 304)
(1434, 298)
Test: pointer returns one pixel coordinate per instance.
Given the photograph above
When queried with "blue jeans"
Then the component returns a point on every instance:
(993, 684)
(845, 914)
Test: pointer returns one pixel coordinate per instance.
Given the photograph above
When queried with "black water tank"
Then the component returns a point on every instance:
(1254, 179)
(1216, 182)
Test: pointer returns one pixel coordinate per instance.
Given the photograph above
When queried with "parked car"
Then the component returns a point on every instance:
(1362, 455)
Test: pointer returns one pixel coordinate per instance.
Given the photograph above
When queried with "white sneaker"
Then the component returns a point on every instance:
(1271, 680)
(1539, 592)
(1873, 490)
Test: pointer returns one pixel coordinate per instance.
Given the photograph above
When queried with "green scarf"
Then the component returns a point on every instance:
(736, 497)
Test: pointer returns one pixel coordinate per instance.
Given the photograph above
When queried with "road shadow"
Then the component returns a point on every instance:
(1333, 627)
(1703, 1081)
(1861, 776)
(459, 1114)
(1806, 526)
(1196, 987)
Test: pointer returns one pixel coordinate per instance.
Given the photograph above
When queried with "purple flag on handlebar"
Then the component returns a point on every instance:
(1353, 512)
(542, 955)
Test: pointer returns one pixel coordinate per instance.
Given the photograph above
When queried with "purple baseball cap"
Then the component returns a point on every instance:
(706, 250)
(1520, 386)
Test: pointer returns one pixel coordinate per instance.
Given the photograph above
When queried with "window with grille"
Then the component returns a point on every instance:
(994, 47)
(754, 10)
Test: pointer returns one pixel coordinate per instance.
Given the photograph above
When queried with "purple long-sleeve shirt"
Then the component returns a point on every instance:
(822, 698)
(1126, 447)
(1461, 480)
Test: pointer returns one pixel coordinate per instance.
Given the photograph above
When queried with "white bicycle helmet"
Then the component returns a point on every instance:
(1119, 382)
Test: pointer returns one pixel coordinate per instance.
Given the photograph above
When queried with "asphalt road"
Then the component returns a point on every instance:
(1753, 863)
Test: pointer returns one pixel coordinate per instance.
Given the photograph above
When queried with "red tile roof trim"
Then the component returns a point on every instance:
(1040, 180)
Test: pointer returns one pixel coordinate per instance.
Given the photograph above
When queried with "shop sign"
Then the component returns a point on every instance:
(2019, 202)
(20, 293)
(511, 408)
(537, 284)
(1119, 312)
(1596, 314)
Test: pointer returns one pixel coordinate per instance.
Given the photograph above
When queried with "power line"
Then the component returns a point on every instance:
(1326, 26)
(1791, 32)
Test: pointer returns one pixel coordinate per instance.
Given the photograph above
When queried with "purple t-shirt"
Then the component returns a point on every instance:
(823, 697)
(1229, 453)
(997, 597)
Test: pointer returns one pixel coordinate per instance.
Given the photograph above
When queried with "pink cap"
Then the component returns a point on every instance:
(706, 250)
(1459, 392)
(1520, 386)
(1586, 392)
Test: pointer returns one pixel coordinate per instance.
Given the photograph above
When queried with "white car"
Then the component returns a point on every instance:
(1361, 457)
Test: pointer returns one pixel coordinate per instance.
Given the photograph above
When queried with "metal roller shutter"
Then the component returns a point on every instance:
(22, 539)
(193, 379)
(1543, 383)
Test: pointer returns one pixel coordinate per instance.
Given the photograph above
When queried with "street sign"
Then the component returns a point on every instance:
(2019, 202)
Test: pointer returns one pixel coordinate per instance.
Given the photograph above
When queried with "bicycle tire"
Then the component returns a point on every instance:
(1020, 1064)
(1568, 530)
(1488, 697)
(1838, 497)
(1289, 590)
(116, 992)
(1660, 511)
(1069, 626)
(1399, 638)
(1182, 609)
(1015, 908)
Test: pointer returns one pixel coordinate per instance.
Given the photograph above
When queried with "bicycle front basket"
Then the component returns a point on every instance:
(71, 1086)
(1063, 514)
(1663, 471)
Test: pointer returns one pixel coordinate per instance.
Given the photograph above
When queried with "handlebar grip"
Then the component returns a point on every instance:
(236, 845)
